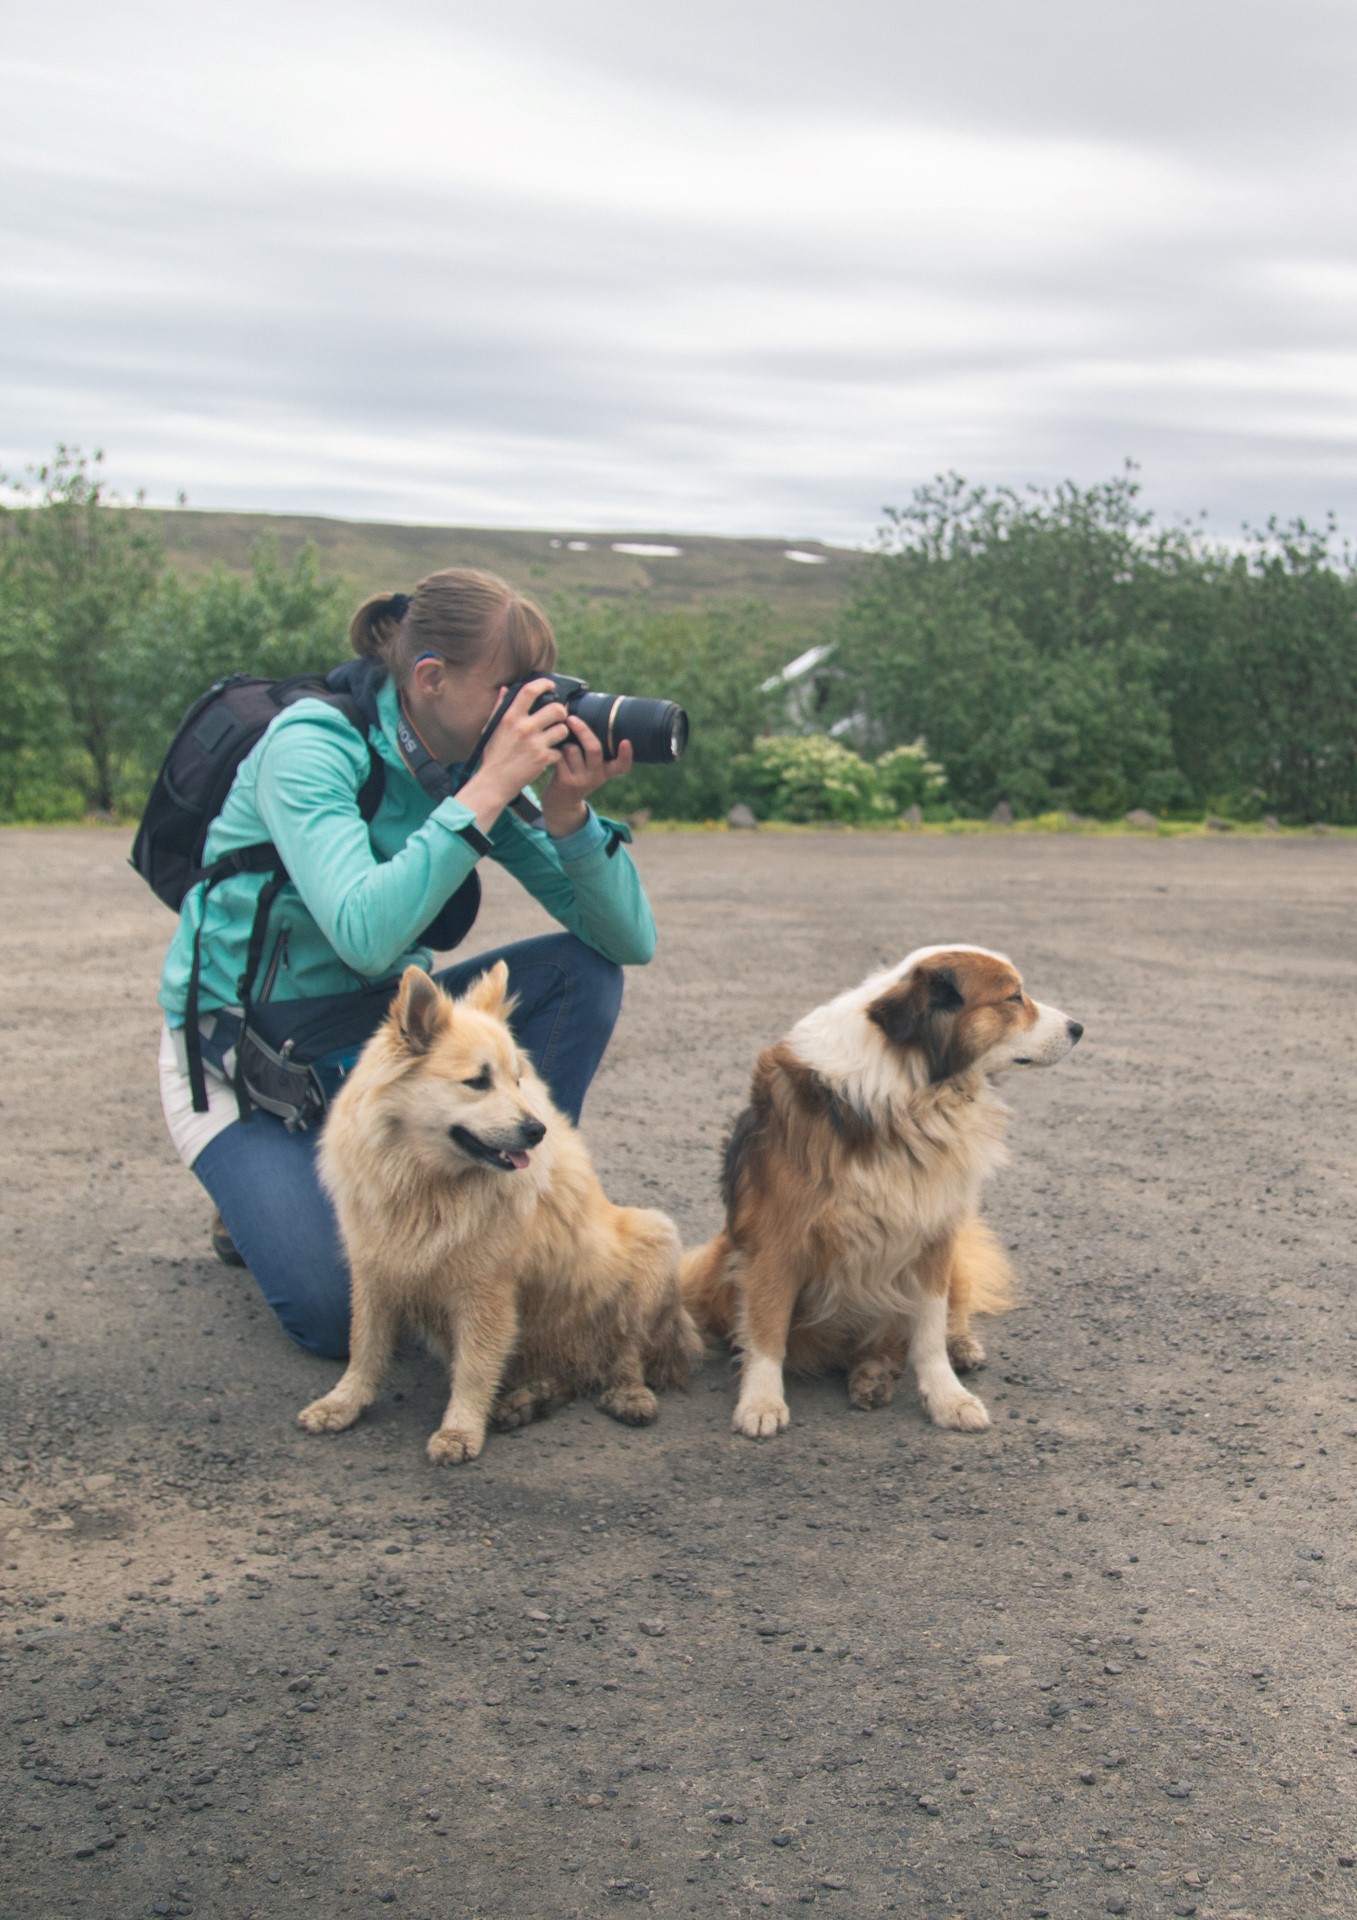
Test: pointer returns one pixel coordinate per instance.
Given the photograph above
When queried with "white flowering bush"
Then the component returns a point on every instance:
(809, 778)
(908, 778)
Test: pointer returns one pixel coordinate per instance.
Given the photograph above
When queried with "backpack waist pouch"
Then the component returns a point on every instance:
(293, 1056)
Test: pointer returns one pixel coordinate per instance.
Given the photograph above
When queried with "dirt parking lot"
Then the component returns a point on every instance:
(1097, 1660)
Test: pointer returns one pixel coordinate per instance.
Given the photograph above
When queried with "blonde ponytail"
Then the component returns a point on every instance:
(374, 627)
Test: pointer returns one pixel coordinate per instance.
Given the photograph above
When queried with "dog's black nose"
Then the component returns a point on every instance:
(531, 1132)
(1076, 1027)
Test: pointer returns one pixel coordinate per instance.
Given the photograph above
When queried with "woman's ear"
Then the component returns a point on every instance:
(426, 676)
(421, 1010)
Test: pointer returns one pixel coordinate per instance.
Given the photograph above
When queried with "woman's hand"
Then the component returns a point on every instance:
(518, 752)
(580, 770)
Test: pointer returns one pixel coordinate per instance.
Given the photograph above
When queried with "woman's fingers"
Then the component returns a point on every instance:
(583, 745)
(581, 764)
(525, 743)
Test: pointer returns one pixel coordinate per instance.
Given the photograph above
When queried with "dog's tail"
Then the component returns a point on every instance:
(982, 1279)
(708, 1286)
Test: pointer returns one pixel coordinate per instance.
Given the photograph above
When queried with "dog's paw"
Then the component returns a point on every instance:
(531, 1401)
(961, 1410)
(330, 1415)
(965, 1352)
(870, 1384)
(637, 1406)
(451, 1445)
(762, 1417)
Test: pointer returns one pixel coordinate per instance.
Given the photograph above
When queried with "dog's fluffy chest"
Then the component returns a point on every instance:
(916, 1180)
(439, 1236)
(470, 1223)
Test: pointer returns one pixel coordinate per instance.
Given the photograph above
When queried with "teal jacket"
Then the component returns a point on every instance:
(361, 892)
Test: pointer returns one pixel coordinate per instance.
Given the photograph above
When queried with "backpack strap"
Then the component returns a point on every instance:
(260, 858)
(351, 689)
(372, 789)
(268, 893)
(193, 1039)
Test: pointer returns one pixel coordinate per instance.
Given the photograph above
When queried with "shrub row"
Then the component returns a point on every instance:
(1056, 651)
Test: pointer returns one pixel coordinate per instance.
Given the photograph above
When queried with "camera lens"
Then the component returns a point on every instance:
(657, 729)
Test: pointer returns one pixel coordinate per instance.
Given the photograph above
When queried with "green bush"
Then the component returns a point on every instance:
(102, 649)
(1061, 653)
(148, 642)
(278, 621)
(807, 778)
(77, 567)
(1056, 650)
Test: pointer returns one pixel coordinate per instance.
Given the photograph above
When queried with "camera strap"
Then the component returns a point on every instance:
(439, 784)
(431, 774)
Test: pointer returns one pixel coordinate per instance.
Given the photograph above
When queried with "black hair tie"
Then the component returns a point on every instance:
(399, 605)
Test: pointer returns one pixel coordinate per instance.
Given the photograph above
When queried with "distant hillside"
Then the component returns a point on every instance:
(372, 556)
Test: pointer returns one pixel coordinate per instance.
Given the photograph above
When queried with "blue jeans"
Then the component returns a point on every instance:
(263, 1179)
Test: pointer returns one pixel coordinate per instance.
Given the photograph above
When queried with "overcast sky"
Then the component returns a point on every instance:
(734, 266)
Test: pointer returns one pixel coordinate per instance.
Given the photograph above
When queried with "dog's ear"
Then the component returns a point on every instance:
(490, 994)
(944, 995)
(904, 1009)
(421, 1011)
(920, 1011)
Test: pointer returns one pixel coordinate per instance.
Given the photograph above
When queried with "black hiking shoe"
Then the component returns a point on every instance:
(223, 1245)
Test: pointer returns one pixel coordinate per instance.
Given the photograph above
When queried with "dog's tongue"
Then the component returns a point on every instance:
(516, 1160)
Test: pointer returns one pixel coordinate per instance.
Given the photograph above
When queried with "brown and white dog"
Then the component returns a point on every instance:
(852, 1182)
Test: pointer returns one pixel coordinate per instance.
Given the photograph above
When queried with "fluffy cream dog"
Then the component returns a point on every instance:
(852, 1181)
(471, 1211)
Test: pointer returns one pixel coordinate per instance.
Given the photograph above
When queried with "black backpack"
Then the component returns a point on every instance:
(202, 760)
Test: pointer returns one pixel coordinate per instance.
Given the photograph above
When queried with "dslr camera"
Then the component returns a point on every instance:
(657, 729)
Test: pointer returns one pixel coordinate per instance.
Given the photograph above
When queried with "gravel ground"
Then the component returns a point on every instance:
(1097, 1660)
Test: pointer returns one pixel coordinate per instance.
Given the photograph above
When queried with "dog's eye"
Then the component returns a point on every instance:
(1018, 996)
(481, 1084)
